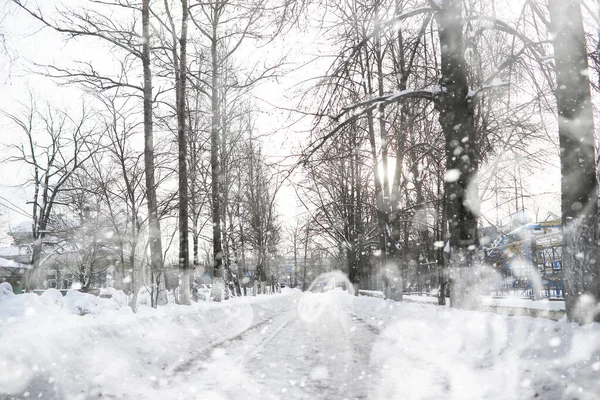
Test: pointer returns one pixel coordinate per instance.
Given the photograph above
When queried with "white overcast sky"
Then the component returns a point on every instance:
(26, 41)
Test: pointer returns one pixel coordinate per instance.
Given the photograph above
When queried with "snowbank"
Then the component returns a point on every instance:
(416, 351)
(6, 289)
(494, 303)
(445, 353)
(91, 346)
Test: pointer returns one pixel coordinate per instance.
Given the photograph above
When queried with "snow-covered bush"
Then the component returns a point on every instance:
(84, 303)
(79, 303)
(115, 296)
(6, 289)
(143, 297)
(52, 297)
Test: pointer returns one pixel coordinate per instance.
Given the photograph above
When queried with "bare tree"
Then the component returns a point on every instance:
(122, 187)
(296, 237)
(89, 248)
(55, 146)
(457, 122)
(263, 231)
(123, 37)
(226, 26)
(579, 185)
(338, 196)
(461, 91)
(179, 60)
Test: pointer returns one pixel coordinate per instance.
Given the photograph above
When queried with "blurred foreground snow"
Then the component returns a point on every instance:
(291, 345)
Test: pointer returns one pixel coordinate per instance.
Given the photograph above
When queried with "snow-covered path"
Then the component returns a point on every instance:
(293, 346)
(313, 348)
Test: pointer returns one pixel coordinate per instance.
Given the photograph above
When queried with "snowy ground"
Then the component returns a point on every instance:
(288, 346)
(544, 304)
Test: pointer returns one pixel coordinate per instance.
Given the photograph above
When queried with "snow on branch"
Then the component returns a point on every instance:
(401, 17)
(428, 94)
(359, 109)
(489, 85)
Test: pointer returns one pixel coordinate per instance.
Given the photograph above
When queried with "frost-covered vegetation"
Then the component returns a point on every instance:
(174, 173)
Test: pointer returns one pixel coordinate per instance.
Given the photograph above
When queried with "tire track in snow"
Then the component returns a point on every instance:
(370, 327)
(197, 358)
(320, 355)
(319, 351)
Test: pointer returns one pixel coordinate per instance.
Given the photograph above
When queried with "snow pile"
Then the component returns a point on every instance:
(288, 290)
(52, 300)
(118, 296)
(55, 353)
(84, 303)
(288, 345)
(6, 289)
(544, 304)
(52, 297)
(446, 353)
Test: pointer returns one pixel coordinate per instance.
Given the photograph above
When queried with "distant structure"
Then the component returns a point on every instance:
(16, 258)
(528, 260)
(62, 266)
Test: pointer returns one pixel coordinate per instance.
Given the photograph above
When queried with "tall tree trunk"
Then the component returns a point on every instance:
(579, 187)
(196, 242)
(353, 224)
(441, 230)
(215, 166)
(245, 280)
(457, 122)
(381, 110)
(235, 254)
(358, 218)
(32, 274)
(154, 235)
(181, 77)
(305, 258)
(225, 182)
(295, 238)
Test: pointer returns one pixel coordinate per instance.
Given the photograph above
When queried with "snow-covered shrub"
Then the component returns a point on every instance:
(24, 305)
(79, 303)
(52, 297)
(82, 307)
(84, 303)
(118, 297)
(6, 289)
(143, 297)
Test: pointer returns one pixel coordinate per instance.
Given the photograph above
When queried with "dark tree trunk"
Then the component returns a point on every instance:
(295, 238)
(352, 217)
(214, 163)
(242, 249)
(154, 236)
(579, 187)
(440, 237)
(304, 265)
(180, 77)
(457, 122)
(236, 286)
(32, 274)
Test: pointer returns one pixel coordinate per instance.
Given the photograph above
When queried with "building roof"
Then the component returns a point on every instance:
(13, 251)
(10, 264)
